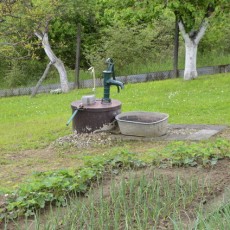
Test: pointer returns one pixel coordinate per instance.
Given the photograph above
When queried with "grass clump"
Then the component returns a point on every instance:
(218, 219)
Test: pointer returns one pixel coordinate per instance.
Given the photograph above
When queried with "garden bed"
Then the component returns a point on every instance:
(211, 185)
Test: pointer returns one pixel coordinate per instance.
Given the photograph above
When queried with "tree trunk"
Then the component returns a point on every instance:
(41, 79)
(63, 75)
(54, 60)
(190, 71)
(191, 44)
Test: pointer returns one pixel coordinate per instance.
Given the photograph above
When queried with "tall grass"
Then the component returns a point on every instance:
(135, 68)
(167, 64)
(218, 219)
(212, 59)
(149, 66)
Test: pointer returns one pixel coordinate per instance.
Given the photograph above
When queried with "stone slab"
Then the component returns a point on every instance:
(203, 134)
(180, 132)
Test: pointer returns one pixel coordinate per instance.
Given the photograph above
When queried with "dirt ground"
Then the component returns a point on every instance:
(15, 167)
(218, 176)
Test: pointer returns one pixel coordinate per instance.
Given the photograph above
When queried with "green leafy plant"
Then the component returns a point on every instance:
(134, 202)
(191, 154)
(56, 186)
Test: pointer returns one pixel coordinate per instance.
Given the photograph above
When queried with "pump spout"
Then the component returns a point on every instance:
(119, 84)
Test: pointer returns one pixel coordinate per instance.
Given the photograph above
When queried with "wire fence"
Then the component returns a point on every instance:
(153, 76)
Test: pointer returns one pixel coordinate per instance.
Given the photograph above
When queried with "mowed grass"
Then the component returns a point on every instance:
(29, 123)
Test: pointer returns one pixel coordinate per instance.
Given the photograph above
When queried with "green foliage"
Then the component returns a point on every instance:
(21, 73)
(56, 186)
(193, 154)
(217, 219)
(63, 31)
(15, 76)
(59, 17)
(136, 43)
(141, 44)
(129, 12)
(123, 160)
(216, 37)
(148, 27)
(193, 12)
(134, 202)
(189, 11)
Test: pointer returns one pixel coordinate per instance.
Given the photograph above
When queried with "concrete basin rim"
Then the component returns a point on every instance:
(141, 112)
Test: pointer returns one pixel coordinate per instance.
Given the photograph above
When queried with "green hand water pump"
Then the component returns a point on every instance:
(109, 79)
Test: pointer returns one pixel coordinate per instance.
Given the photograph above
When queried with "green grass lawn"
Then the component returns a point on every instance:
(28, 123)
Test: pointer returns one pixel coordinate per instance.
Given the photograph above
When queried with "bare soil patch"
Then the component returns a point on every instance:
(224, 134)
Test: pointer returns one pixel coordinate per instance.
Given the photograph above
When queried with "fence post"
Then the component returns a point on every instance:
(78, 51)
(176, 48)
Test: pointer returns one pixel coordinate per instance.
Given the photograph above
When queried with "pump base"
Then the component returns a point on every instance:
(106, 101)
(94, 117)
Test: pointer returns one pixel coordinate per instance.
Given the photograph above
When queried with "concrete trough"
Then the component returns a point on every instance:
(143, 124)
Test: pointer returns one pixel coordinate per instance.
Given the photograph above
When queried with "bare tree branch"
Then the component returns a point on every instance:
(39, 34)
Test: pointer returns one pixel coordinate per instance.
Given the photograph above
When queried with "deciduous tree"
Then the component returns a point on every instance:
(28, 18)
(193, 19)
